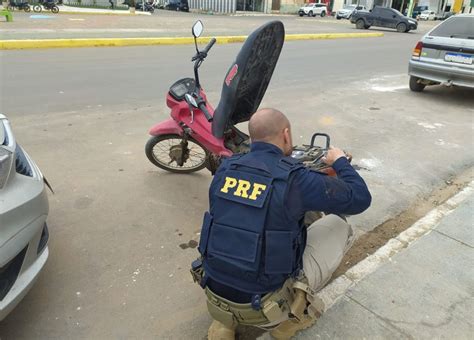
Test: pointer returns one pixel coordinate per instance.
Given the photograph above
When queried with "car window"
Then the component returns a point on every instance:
(386, 13)
(455, 27)
(320, 5)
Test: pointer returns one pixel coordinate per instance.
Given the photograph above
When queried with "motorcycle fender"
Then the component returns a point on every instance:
(165, 128)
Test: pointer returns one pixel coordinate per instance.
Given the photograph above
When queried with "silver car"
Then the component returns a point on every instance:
(23, 230)
(445, 55)
(347, 11)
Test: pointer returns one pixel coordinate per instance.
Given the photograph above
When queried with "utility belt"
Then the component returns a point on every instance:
(291, 301)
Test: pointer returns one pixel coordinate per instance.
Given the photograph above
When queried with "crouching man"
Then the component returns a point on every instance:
(260, 265)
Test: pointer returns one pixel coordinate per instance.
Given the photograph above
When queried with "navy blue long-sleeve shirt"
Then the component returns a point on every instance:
(312, 191)
(308, 191)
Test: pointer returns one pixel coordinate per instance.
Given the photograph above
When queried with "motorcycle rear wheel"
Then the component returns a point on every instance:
(55, 9)
(37, 8)
(162, 151)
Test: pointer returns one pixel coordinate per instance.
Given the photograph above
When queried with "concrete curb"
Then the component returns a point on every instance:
(337, 289)
(105, 13)
(110, 42)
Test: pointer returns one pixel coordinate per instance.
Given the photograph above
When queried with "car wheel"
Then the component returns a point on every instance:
(415, 86)
(338, 18)
(301, 14)
(360, 24)
(310, 13)
(401, 27)
(323, 14)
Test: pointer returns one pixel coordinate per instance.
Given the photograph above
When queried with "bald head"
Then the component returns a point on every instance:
(271, 126)
(267, 124)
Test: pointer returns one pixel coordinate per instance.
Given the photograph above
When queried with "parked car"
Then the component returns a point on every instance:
(444, 15)
(418, 10)
(383, 17)
(177, 5)
(428, 15)
(347, 11)
(313, 9)
(23, 230)
(445, 55)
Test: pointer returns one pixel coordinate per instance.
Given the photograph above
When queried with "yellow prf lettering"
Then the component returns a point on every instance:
(229, 183)
(257, 190)
(242, 189)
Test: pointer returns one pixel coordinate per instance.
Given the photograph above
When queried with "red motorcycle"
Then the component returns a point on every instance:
(197, 135)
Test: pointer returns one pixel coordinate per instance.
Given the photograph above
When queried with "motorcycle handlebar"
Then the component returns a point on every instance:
(209, 46)
(203, 108)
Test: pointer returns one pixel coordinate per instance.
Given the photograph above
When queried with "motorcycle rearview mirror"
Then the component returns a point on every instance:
(190, 100)
(197, 29)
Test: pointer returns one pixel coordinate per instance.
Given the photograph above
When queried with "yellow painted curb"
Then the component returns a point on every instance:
(109, 42)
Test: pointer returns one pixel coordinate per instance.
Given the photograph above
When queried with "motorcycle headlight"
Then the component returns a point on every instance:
(5, 165)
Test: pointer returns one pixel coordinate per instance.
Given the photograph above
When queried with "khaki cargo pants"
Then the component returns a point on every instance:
(329, 238)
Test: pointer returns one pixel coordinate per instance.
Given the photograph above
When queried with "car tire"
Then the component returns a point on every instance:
(360, 24)
(402, 27)
(310, 13)
(300, 14)
(323, 14)
(415, 86)
(338, 18)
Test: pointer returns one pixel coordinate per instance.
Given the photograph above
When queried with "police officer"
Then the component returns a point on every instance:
(260, 264)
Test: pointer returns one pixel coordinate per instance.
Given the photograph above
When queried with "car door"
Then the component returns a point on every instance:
(390, 18)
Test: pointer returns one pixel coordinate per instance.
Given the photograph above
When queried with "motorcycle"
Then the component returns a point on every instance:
(148, 7)
(198, 136)
(22, 6)
(48, 5)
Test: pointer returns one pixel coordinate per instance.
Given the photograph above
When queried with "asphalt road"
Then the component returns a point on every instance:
(116, 269)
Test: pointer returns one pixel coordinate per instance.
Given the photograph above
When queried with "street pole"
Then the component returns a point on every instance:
(410, 8)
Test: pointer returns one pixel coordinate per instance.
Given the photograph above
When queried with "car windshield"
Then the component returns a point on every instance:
(425, 12)
(456, 27)
(396, 11)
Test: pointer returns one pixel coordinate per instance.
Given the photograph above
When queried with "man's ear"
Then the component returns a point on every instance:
(286, 135)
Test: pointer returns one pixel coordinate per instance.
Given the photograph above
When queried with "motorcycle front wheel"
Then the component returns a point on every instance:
(37, 8)
(55, 9)
(170, 153)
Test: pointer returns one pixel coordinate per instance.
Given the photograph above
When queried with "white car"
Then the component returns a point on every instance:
(428, 15)
(347, 11)
(23, 230)
(312, 10)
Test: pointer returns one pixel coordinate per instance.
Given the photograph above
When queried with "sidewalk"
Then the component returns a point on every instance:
(83, 10)
(425, 291)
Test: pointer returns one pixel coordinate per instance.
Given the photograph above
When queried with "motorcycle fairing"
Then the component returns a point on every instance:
(248, 77)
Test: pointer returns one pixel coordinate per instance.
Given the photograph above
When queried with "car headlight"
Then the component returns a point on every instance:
(5, 165)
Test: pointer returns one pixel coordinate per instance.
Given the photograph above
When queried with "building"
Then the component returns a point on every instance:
(233, 6)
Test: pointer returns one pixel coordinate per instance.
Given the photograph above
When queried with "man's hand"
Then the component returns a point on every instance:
(332, 155)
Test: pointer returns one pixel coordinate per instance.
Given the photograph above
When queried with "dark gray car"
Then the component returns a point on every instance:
(445, 55)
(383, 17)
